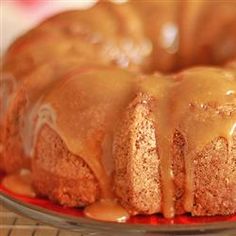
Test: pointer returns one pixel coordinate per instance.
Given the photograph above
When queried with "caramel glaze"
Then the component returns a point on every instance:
(20, 183)
(34, 88)
(97, 98)
(182, 103)
(213, 90)
(107, 210)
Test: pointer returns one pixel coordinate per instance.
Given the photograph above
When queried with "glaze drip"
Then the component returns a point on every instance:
(20, 183)
(107, 210)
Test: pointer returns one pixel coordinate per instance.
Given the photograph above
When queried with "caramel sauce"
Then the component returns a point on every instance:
(84, 108)
(20, 183)
(34, 88)
(182, 102)
(106, 210)
(206, 90)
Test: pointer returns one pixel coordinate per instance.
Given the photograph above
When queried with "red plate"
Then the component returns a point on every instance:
(44, 210)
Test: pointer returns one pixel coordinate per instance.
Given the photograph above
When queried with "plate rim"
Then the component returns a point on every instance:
(77, 223)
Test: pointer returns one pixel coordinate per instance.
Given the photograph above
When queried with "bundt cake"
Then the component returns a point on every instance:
(84, 111)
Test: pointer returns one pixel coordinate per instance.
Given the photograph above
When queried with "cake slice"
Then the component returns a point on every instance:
(137, 164)
(58, 174)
